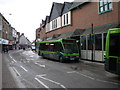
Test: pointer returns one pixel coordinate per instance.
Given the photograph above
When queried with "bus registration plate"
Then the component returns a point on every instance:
(72, 59)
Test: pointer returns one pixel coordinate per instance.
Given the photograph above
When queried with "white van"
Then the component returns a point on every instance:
(33, 47)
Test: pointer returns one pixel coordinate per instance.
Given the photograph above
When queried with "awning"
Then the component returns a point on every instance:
(4, 41)
(74, 33)
(65, 35)
(78, 32)
(101, 29)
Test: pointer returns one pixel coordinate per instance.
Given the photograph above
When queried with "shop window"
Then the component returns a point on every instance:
(83, 42)
(105, 6)
(90, 41)
(98, 42)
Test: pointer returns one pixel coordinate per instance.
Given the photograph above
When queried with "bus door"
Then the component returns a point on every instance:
(114, 52)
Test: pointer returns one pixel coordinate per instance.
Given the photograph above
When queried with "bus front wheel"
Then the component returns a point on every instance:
(43, 56)
(61, 59)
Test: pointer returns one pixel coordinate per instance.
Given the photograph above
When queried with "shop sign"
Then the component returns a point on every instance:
(3, 41)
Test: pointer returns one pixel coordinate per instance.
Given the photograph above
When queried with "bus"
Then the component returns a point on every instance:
(112, 54)
(62, 49)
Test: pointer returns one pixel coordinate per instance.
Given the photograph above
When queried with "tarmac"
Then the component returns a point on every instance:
(8, 81)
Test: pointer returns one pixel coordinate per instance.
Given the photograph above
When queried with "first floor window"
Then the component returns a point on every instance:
(105, 5)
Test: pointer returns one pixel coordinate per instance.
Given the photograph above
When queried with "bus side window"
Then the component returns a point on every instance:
(58, 47)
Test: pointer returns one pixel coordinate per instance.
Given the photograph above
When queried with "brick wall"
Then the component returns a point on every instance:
(37, 32)
(42, 33)
(87, 14)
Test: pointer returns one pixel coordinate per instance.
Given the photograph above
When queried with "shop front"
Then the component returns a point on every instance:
(93, 44)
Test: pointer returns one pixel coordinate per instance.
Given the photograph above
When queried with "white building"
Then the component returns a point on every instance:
(24, 42)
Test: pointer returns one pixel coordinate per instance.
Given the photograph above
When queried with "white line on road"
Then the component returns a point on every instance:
(12, 58)
(71, 72)
(40, 65)
(24, 68)
(40, 76)
(91, 77)
(42, 83)
(16, 71)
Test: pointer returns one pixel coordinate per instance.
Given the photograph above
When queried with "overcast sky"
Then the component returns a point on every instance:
(27, 14)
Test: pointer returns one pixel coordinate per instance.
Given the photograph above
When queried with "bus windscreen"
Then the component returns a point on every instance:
(70, 48)
(114, 49)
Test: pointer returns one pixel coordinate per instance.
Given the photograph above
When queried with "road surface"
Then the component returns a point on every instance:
(32, 71)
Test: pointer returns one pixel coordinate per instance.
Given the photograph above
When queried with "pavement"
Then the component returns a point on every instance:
(0, 70)
(7, 78)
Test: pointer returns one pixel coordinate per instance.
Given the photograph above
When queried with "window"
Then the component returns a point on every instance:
(98, 42)
(83, 42)
(105, 5)
(114, 48)
(90, 41)
(51, 47)
(66, 20)
(54, 24)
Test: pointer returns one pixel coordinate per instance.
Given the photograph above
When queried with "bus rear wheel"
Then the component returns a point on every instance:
(61, 59)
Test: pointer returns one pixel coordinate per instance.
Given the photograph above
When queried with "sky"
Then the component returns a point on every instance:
(26, 15)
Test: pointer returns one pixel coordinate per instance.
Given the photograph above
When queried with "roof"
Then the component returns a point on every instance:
(47, 19)
(77, 4)
(4, 18)
(56, 10)
(66, 7)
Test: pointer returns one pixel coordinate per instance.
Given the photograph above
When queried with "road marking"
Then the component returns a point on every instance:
(12, 58)
(40, 65)
(92, 77)
(107, 81)
(71, 72)
(41, 76)
(16, 71)
(24, 68)
(42, 83)
(86, 76)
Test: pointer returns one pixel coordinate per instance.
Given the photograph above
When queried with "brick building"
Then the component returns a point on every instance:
(85, 21)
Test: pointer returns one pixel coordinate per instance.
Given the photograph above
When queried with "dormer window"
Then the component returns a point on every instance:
(66, 19)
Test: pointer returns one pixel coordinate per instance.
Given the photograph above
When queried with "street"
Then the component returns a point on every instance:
(32, 71)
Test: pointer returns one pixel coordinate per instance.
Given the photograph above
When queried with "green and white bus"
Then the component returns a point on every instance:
(112, 55)
(62, 50)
